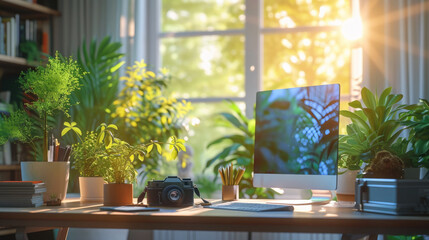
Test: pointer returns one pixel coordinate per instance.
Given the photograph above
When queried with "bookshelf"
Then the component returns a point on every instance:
(10, 172)
(31, 22)
(27, 11)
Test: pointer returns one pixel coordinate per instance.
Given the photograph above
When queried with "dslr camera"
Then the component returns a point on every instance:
(170, 192)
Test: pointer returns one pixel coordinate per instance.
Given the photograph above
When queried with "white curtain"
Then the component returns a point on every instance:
(396, 47)
(122, 20)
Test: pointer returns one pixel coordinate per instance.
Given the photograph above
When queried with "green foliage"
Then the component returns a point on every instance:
(143, 112)
(417, 120)
(105, 155)
(239, 151)
(50, 88)
(206, 186)
(99, 87)
(85, 155)
(375, 126)
(52, 85)
(17, 126)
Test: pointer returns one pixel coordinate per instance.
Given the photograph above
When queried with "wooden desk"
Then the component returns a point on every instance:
(309, 219)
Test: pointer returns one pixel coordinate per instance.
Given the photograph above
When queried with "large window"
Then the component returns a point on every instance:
(230, 49)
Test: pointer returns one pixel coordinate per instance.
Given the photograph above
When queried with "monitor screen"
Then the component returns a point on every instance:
(296, 137)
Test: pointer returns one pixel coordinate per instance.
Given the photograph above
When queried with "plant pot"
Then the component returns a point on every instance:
(118, 194)
(91, 189)
(346, 185)
(55, 175)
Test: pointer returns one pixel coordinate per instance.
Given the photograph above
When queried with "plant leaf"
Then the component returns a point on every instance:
(149, 148)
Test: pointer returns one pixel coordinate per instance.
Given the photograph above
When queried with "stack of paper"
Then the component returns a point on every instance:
(21, 193)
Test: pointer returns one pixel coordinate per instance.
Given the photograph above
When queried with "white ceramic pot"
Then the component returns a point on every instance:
(55, 175)
(346, 185)
(91, 189)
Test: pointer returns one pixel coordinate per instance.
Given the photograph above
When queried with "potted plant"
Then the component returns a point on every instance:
(417, 144)
(375, 127)
(105, 155)
(50, 86)
(87, 161)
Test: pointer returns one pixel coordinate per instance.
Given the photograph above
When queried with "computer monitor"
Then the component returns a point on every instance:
(296, 138)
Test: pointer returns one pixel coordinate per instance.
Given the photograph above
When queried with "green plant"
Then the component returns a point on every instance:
(417, 121)
(239, 151)
(17, 126)
(110, 157)
(50, 87)
(99, 88)
(375, 126)
(143, 112)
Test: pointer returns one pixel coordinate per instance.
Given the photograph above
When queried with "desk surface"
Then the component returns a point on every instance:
(305, 218)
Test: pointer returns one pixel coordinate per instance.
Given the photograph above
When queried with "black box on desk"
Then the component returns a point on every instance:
(392, 196)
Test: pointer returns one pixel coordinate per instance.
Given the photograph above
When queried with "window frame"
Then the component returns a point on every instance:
(253, 33)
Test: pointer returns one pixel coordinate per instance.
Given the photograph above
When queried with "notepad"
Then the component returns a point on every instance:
(129, 209)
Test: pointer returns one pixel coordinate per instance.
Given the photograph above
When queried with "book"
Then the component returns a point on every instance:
(21, 193)
(21, 187)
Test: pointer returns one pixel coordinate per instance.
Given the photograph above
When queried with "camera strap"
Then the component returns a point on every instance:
(143, 194)
(205, 202)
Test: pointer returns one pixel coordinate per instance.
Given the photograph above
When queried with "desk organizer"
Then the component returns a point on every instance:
(230, 192)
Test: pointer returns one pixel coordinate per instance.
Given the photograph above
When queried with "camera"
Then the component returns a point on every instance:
(170, 192)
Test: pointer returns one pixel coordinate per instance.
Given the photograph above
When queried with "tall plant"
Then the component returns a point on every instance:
(51, 86)
(375, 126)
(99, 88)
(143, 112)
(239, 151)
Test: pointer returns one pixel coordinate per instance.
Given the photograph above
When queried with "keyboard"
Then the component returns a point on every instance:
(251, 207)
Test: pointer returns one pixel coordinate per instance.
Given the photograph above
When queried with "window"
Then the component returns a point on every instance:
(230, 49)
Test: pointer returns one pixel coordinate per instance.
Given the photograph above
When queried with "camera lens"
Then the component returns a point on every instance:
(174, 195)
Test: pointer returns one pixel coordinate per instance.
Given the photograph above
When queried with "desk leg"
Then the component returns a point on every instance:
(21, 234)
(62, 233)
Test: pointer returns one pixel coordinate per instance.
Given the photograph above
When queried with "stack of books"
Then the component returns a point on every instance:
(21, 193)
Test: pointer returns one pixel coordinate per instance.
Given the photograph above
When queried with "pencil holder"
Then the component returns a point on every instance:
(230, 193)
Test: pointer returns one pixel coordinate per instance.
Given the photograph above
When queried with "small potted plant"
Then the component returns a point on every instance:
(87, 161)
(375, 127)
(121, 173)
(50, 86)
(105, 155)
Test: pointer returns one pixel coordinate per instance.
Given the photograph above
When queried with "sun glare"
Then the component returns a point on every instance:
(352, 29)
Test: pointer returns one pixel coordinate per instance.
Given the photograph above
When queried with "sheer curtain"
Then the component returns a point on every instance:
(396, 47)
(95, 19)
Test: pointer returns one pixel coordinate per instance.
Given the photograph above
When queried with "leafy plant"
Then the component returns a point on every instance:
(17, 126)
(375, 126)
(110, 157)
(51, 87)
(99, 88)
(239, 151)
(417, 120)
(144, 113)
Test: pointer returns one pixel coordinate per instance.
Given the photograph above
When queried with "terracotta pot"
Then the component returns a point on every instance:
(346, 185)
(118, 194)
(91, 189)
(55, 175)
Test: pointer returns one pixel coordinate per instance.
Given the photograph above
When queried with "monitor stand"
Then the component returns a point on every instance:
(319, 197)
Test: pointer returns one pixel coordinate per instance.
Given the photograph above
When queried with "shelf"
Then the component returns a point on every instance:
(28, 9)
(13, 64)
(10, 167)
